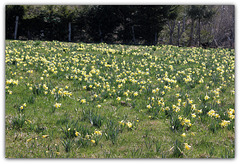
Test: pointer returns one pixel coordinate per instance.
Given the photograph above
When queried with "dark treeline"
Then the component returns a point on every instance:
(193, 25)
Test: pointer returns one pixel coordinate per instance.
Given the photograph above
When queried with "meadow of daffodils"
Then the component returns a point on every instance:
(77, 100)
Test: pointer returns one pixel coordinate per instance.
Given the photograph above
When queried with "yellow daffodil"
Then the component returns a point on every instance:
(183, 135)
(30, 139)
(186, 146)
(77, 134)
(224, 123)
(57, 105)
(149, 106)
(129, 124)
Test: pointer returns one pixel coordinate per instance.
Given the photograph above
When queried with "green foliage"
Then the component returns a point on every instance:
(18, 122)
(200, 12)
(112, 132)
(96, 120)
(67, 144)
(228, 153)
(177, 149)
(69, 132)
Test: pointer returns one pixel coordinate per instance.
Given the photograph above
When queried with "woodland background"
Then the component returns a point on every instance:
(180, 25)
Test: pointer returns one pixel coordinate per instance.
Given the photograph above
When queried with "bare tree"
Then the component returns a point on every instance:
(223, 26)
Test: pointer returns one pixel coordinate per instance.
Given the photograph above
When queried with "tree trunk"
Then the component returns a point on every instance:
(183, 29)
(199, 32)
(191, 34)
(216, 43)
(229, 40)
(178, 42)
(100, 33)
(29, 35)
(16, 27)
(171, 31)
(233, 27)
(133, 34)
(69, 31)
(195, 33)
(155, 38)
(180, 32)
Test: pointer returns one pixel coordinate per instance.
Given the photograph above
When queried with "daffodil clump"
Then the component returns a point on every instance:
(127, 124)
(224, 123)
(12, 82)
(23, 106)
(57, 105)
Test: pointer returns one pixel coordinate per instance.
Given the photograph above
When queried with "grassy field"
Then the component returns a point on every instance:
(77, 100)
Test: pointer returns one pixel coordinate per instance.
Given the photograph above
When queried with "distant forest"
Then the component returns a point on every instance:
(180, 25)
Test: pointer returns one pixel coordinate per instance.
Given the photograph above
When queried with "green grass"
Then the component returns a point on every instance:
(97, 76)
